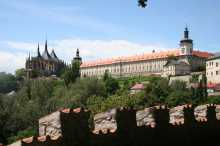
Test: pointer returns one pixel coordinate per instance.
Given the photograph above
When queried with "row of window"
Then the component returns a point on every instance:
(216, 64)
(213, 73)
(127, 69)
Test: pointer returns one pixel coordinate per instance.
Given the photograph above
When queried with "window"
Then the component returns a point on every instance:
(217, 72)
(216, 64)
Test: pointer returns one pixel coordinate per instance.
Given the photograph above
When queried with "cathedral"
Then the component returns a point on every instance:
(46, 63)
(148, 63)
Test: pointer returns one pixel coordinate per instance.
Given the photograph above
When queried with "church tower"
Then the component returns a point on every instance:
(77, 58)
(186, 44)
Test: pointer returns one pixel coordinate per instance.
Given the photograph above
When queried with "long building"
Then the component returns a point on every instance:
(148, 63)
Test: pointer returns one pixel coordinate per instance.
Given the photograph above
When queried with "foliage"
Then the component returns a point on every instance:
(213, 99)
(20, 74)
(99, 104)
(172, 57)
(142, 3)
(157, 91)
(195, 78)
(22, 134)
(199, 94)
(38, 97)
(8, 83)
(71, 73)
(111, 84)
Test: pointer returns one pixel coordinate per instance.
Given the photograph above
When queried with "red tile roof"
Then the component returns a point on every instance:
(68, 110)
(202, 54)
(145, 56)
(138, 87)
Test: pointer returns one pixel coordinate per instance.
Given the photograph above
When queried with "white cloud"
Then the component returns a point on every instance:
(22, 46)
(66, 48)
(96, 49)
(9, 62)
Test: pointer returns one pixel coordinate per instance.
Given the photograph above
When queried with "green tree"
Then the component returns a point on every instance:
(8, 82)
(20, 74)
(178, 97)
(111, 85)
(72, 72)
(142, 3)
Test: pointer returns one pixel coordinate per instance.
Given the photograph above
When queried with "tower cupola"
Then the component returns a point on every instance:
(186, 44)
(77, 58)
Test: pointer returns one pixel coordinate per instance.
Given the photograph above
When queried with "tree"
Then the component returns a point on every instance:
(8, 83)
(20, 74)
(72, 72)
(178, 97)
(172, 57)
(157, 91)
(111, 84)
(142, 3)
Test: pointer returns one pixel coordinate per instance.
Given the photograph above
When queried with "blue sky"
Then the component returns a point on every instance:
(103, 28)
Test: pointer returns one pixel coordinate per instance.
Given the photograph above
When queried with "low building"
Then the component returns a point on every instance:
(137, 88)
(213, 70)
(176, 68)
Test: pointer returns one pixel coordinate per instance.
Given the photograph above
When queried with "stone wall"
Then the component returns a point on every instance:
(183, 125)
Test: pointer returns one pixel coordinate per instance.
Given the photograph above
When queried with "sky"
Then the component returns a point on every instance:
(103, 28)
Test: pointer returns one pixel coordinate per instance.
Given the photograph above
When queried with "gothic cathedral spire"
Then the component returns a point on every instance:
(46, 45)
(38, 51)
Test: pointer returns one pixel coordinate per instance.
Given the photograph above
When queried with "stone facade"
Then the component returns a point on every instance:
(176, 68)
(148, 63)
(213, 70)
(155, 126)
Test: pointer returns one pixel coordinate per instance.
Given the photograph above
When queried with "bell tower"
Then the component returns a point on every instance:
(77, 57)
(186, 44)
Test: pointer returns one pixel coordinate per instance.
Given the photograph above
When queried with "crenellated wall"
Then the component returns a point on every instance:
(181, 126)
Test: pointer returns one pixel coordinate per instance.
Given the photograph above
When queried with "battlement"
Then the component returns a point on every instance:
(157, 125)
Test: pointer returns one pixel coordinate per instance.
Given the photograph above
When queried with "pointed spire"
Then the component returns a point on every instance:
(53, 55)
(38, 51)
(186, 33)
(29, 56)
(46, 45)
(77, 58)
(46, 55)
(77, 52)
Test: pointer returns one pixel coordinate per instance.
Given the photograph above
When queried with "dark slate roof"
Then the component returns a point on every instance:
(46, 55)
(175, 62)
(53, 55)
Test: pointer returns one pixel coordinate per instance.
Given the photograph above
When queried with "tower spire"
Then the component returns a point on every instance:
(77, 52)
(29, 56)
(38, 50)
(186, 33)
(46, 45)
(77, 58)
